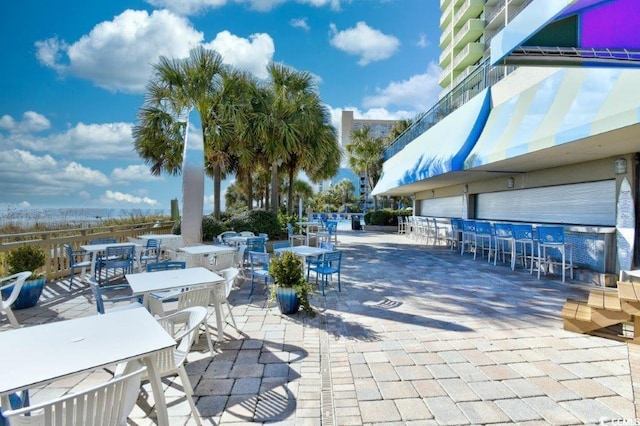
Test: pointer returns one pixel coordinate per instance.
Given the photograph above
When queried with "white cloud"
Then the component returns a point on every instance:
(31, 122)
(25, 173)
(252, 54)
(422, 40)
(133, 173)
(119, 198)
(364, 41)
(419, 91)
(192, 7)
(117, 55)
(300, 23)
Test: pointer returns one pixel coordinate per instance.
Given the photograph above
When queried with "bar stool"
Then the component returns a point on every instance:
(523, 245)
(483, 234)
(504, 241)
(550, 238)
(468, 235)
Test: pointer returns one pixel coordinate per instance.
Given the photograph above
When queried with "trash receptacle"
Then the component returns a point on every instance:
(355, 223)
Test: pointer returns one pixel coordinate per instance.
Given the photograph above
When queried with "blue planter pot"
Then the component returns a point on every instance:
(29, 293)
(288, 300)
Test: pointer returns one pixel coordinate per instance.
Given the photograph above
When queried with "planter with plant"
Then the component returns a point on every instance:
(27, 258)
(290, 289)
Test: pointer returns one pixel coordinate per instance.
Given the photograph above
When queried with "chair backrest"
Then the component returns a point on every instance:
(264, 236)
(119, 255)
(503, 230)
(183, 326)
(105, 404)
(456, 225)
(224, 260)
(327, 245)
(259, 260)
(152, 243)
(256, 244)
(550, 234)
(70, 254)
(332, 260)
(199, 296)
(226, 234)
(332, 227)
(230, 276)
(103, 241)
(247, 234)
(15, 280)
(97, 294)
(290, 229)
(469, 225)
(522, 231)
(483, 228)
(165, 266)
(281, 244)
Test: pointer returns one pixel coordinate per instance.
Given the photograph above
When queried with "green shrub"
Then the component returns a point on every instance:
(256, 221)
(380, 218)
(26, 258)
(211, 228)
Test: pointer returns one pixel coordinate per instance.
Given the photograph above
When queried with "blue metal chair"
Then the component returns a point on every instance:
(330, 264)
(165, 266)
(314, 261)
(259, 263)
(118, 257)
(483, 234)
(551, 243)
(151, 253)
(281, 244)
(456, 233)
(99, 293)
(221, 239)
(78, 259)
(468, 235)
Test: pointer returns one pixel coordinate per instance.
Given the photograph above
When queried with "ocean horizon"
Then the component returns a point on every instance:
(81, 216)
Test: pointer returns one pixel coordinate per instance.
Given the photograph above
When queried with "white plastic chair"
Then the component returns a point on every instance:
(295, 237)
(221, 292)
(183, 326)
(171, 302)
(106, 404)
(15, 280)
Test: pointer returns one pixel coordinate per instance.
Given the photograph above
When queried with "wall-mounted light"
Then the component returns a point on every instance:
(620, 166)
(510, 182)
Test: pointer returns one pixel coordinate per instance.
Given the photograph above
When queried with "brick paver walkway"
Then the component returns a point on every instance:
(418, 335)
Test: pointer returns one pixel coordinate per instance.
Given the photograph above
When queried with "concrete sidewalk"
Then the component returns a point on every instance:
(418, 335)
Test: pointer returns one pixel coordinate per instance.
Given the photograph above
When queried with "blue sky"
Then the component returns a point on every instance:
(74, 74)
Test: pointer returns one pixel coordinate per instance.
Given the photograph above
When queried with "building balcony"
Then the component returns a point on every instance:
(445, 57)
(471, 54)
(445, 19)
(470, 9)
(445, 38)
(444, 4)
(469, 32)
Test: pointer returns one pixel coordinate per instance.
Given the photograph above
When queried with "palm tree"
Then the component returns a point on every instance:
(365, 156)
(282, 121)
(177, 87)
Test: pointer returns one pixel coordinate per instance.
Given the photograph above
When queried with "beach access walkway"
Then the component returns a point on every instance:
(419, 335)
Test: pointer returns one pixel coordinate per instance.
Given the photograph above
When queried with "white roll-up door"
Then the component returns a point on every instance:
(592, 203)
(443, 207)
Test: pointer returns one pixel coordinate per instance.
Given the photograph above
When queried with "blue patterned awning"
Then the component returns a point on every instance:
(441, 149)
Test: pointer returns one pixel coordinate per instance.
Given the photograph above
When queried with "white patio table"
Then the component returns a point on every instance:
(204, 250)
(94, 249)
(45, 353)
(148, 282)
(303, 252)
(237, 240)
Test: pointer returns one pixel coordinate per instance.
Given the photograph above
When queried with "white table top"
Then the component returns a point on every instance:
(303, 250)
(207, 249)
(147, 282)
(310, 223)
(160, 236)
(238, 239)
(40, 354)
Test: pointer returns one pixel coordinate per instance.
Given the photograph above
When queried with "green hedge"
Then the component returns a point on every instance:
(384, 217)
(256, 221)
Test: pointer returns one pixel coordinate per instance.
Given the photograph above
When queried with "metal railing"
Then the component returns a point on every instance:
(482, 77)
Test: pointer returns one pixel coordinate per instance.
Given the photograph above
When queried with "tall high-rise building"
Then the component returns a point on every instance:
(378, 128)
(467, 28)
